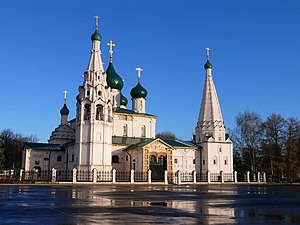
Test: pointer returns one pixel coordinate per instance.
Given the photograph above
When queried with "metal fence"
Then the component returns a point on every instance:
(84, 176)
(104, 176)
(122, 176)
(140, 176)
(64, 175)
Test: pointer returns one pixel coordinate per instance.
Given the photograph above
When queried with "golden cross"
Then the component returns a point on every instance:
(111, 45)
(207, 53)
(97, 18)
(139, 72)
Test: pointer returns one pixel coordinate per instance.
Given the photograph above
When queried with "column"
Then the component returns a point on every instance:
(114, 176)
(235, 177)
(248, 177)
(94, 172)
(166, 177)
(194, 177)
(21, 174)
(208, 177)
(149, 176)
(74, 175)
(258, 177)
(53, 180)
(222, 176)
(178, 177)
(132, 176)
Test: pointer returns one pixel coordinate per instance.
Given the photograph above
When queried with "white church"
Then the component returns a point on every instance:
(106, 135)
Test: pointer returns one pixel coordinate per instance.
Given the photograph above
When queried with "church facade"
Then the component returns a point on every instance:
(106, 135)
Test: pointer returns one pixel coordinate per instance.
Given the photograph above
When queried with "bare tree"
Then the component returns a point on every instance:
(11, 144)
(246, 137)
(291, 145)
(273, 144)
(166, 135)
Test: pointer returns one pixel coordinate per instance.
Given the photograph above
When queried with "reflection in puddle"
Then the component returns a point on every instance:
(207, 204)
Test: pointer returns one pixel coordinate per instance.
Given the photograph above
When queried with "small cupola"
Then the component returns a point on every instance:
(64, 110)
(123, 101)
(138, 91)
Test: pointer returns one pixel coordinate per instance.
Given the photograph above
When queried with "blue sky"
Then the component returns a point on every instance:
(255, 52)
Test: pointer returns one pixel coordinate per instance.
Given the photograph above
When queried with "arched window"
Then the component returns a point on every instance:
(152, 160)
(143, 131)
(99, 93)
(226, 161)
(99, 112)
(125, 130)
(115, 159)
(87, 112)
(215, 160)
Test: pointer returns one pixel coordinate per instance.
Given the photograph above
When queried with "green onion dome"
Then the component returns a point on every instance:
(208, 65)
(113, 79)
(64, 110)
(96, 36)
(138, 91)
(123, 100)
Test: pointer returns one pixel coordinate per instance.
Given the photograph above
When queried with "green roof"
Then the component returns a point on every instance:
(122, 140)
(64, 110)
(208, 65)
(180, 144)
(43, 146)
(123, 100)
(96, 36)
(138, 91)
(113, 79)
(128, 111)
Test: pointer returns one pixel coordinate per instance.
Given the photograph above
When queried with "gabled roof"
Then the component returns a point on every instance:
(43, 146)
(147, 142)
(130, 112)
(181, 144)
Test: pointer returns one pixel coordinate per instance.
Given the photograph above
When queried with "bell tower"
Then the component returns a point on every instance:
(94, 114)
(210, 132)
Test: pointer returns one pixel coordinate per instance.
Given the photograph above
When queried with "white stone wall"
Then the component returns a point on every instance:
(37, 158)
(215, 154)
(183, 159)
(134, 125)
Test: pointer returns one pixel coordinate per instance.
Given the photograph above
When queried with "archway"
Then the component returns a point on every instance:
(158, 165)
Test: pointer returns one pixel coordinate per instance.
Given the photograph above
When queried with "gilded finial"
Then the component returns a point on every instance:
(139, 73)
(207, 53)
(97, 18)
(111, 45)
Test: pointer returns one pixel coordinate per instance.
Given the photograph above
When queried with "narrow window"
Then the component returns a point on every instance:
(215, 162)
(126, 157)
(88, 92)
(203, 161)
(72, 158)
(99, 93)
(143, 131)
(175, 161)
(37, 162)
(194, 161)
(125, 130)
(133, 164)
(59, 158)
(225, 162)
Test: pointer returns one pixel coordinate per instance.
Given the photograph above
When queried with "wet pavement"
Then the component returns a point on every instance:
(121, 204)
